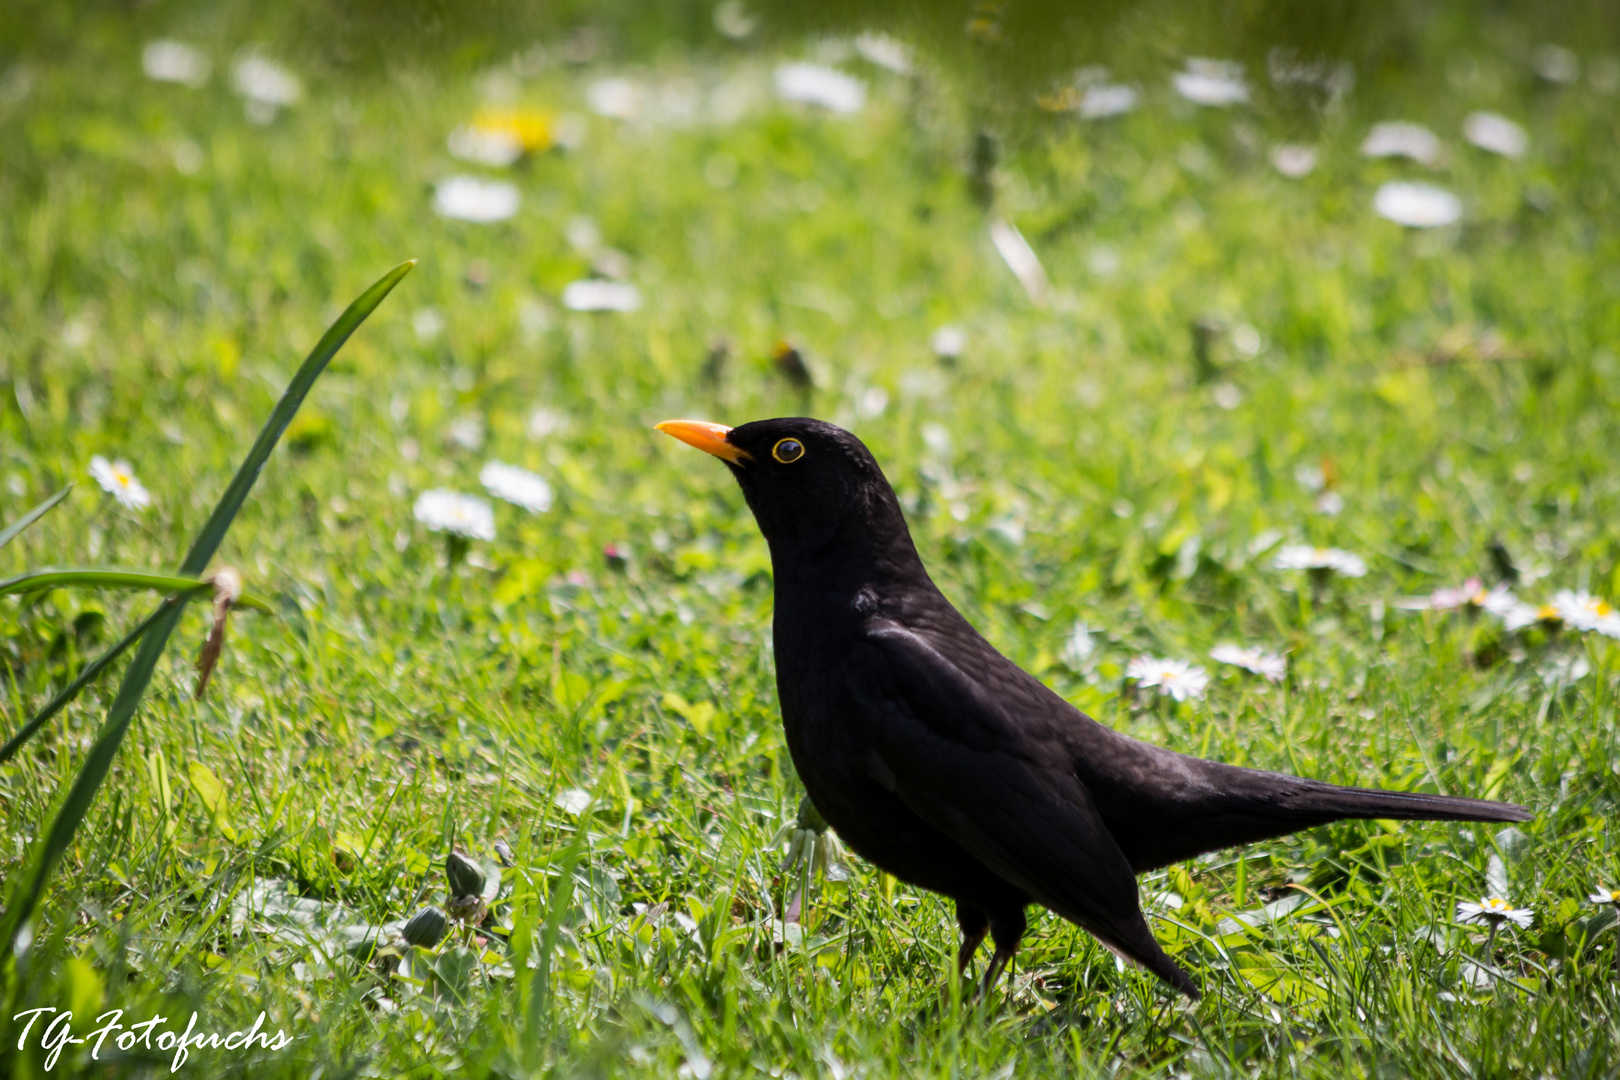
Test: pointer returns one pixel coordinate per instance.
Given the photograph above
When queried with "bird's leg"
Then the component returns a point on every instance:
(975, 925)
(1007, 928)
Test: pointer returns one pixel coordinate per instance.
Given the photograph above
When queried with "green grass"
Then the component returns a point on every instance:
(398, 705)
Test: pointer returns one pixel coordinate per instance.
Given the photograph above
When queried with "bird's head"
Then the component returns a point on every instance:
(808, 482)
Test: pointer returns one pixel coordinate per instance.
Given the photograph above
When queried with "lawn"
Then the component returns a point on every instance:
(1216, 362)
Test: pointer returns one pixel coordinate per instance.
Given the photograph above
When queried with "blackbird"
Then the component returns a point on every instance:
(942, 762)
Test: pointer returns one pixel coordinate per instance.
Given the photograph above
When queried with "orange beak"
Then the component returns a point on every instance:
(710, 438)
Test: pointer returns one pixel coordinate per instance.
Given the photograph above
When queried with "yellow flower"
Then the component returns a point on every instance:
(528, 128)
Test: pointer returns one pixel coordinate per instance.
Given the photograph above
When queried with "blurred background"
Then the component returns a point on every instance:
(1206, 274)
(1176, 326)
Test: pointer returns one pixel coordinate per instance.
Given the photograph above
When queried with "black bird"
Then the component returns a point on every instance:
(941, 761)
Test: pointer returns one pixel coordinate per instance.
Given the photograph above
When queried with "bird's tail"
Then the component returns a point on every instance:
(1226, 806)
(1332, 803)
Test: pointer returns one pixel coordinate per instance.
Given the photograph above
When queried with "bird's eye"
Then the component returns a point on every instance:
(787, 451)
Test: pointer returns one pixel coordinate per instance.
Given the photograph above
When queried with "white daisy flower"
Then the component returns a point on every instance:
(1400, 138)
(948, 342)
(1606, 896)
(1470, 595)
(176, 62)
(872, 402)
(1216, 83)
(1417, 206)
(1520, 615)
(813, 84)
(498, 137)
(468, 198)
(1496, 133)
(1497, 600)
(520, 487)
(1102, 260)
(885, 52)
(452, 512)
(544, 422)
(428, 323)
(1494, 911)
(467, 431)
(1292, 160)
(615, 98)
(1582, 610)
(267, 86)
(484, 145)
(118, 480)
(1271, 666)
(1556, 64)
(1177, 678)
(937, 438)
(1247, 340)
(592, 294)
(1334, 560)
(733, 19)
(1108, 99)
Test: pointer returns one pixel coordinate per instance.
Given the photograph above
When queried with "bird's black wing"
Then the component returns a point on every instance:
(952, 746)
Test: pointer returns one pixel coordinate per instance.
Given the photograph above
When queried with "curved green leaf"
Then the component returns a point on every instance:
(29, 881)
(9, 533)
(110, 578)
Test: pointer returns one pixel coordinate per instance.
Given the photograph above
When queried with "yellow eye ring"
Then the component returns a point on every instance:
(787, 451)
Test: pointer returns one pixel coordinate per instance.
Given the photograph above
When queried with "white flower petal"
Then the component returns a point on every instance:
(1417, 206)
(118, 480)
(262, 80)
(1399, 138)
(1518, 615)
(1109, 99)
(1270, 666)
(948, 342)
(176, 62)
(1293, 160)
(453, 512)
(517, 486)
(813, 84)
(1582, 610)
(1498, 134)
(1177, 678)
(468, 198)
(885, 52)
(1215, 83)
(1556, 64)
(1305, 557)
(595, 295)
(485, 146)
(617, 98)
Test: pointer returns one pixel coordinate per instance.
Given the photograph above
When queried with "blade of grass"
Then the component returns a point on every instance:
(29, 886)
(73, 689)
(109, 578)
(9, 533)
(213, 531)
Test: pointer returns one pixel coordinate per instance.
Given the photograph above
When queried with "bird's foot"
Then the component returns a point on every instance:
(998, 961)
